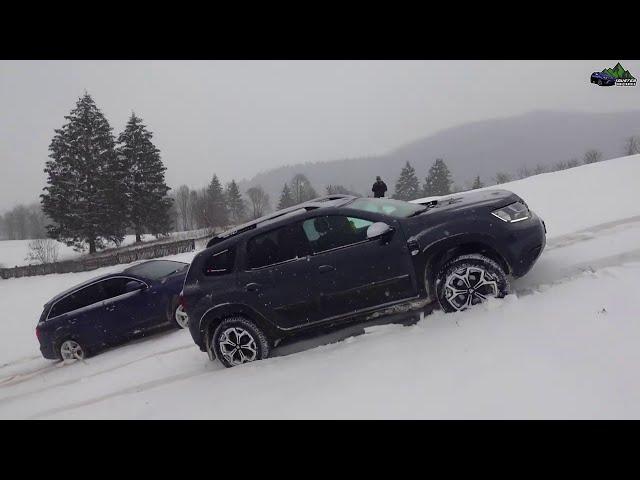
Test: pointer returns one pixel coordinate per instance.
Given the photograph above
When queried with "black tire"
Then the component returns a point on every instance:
(234, 331)
(599, 82)
(475, 276)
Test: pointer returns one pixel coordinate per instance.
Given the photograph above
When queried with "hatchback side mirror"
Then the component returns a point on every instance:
(378, 230)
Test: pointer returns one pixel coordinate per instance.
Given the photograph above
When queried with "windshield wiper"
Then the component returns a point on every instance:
(418, 212)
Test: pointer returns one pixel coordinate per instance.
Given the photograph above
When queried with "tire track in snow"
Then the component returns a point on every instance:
(19, 361)
(590, 233)
(79, 379)
(125, 391)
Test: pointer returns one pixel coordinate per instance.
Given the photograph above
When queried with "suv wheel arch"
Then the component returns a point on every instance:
(215, 316)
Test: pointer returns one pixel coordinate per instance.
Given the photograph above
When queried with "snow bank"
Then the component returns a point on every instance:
(578, 198)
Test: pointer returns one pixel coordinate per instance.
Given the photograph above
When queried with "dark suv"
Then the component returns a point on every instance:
(340, 258)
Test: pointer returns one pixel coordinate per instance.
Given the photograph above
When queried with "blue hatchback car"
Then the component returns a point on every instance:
(112, 308)
(603, 79)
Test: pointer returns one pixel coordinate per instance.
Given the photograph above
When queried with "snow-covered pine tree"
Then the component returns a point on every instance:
(408, 185)
(477, 183)
(216, 207)
(84, 193)
(235, 203)
(286, 198)
(147, 202)
(438, 181)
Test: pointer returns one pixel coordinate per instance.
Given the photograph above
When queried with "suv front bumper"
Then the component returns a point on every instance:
(524, 243)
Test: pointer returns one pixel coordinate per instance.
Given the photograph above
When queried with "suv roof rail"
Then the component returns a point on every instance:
(308, 205)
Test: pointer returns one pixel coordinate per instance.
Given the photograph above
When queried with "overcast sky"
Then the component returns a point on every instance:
(235, 118)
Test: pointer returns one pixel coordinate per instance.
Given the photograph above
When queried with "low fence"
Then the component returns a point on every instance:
(102, 260)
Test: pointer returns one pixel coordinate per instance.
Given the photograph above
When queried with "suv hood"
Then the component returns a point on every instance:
(473, 199)
(459, 207)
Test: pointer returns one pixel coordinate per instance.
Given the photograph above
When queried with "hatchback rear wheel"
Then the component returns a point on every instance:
(71, 350)
(180, 317)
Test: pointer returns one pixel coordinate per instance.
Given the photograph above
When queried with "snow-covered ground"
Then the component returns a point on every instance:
(563, 345)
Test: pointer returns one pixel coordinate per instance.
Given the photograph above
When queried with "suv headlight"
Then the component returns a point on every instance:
(515, 212)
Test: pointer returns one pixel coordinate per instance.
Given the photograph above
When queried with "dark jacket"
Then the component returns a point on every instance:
(378, 189)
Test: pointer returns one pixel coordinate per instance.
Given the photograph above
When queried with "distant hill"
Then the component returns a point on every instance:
(480, 148)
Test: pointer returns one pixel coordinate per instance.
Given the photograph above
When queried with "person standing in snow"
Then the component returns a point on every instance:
(379, 187)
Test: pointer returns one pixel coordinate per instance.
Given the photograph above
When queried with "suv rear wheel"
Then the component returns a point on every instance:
(238, 340)
(469, 280)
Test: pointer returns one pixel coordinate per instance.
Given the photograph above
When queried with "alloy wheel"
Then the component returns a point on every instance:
(469, 286)
(238, 346)
(70, 350)
(181, 317)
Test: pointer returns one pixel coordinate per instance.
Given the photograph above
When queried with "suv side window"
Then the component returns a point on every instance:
(279, 245)
(220, 263)
(334, 231)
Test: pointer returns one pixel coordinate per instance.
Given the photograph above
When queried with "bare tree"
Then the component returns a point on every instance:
(561, 165)
(574, 162)
(633, 145)
(592, 156)
(43, 250)
(301, 189)
(259, 201)
(502, 177)
(195, 204)
(183, 207)
(524, 172)
(539, 169)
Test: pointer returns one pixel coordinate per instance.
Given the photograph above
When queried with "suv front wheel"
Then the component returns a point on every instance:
(238, 340)
(469, 280)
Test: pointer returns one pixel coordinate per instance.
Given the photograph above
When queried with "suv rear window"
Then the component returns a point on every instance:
(279, 245)
(219, 263)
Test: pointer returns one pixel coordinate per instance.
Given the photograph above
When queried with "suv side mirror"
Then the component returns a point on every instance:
(378, 230)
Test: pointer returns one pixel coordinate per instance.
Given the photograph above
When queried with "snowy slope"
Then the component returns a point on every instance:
(580, 197)
(564, 345)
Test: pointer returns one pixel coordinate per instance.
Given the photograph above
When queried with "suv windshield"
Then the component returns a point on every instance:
(387, 206)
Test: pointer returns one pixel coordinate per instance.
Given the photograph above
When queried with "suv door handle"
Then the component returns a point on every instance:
(252, 287)
(326, 268)
(110, 308)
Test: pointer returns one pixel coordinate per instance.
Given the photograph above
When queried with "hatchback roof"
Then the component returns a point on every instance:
(124, 270)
